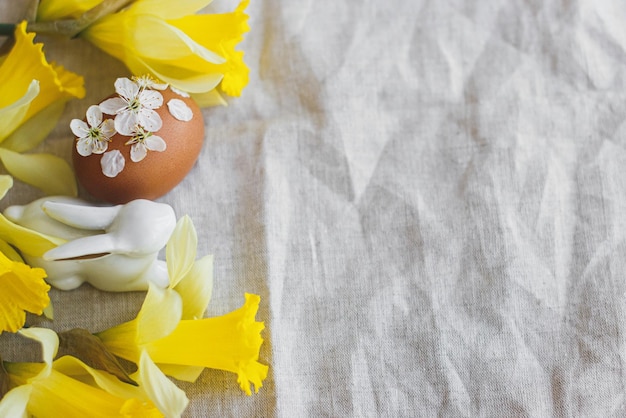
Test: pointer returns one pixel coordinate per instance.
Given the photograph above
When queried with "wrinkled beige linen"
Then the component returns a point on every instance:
(430, 198)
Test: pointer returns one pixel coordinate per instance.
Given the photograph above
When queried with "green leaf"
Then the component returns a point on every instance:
(49, 173)
(88, 348)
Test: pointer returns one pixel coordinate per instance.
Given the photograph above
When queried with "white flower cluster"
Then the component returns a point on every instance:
(135, 117)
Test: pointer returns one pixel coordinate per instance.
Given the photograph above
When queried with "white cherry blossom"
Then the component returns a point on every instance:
(133, 107)
(144, 141)
(93, 136)
(147, 82)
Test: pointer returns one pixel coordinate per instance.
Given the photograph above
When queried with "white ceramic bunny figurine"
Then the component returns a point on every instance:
(114, 248)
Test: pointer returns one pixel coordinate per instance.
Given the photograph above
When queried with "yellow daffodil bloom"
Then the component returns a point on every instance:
(230, 342)
(34, 93)
(69, 388)
(194, 53)
(22, 288)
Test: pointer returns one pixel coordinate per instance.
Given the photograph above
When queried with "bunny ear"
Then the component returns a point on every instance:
(82, 217)
(91, 245)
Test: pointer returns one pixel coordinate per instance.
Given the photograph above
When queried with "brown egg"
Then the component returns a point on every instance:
(159, 171)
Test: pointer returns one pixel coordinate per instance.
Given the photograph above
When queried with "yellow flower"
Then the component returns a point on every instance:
(70, 388)
(22, 288)
(194, 53)
(34, 93)
(230, 342)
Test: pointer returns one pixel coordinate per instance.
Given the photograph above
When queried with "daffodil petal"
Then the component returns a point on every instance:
(10, 252)
(168, 398)
(47, 172)
(34, 130)
(193, 83)
(12, 115)
(22, 288)
(49, 341)
(48, 10)
(6, 182)
(184, 373)
(210, 98)
(159, 314)
(15, 401)
(196, 288)
(26, 62)
(180, 251)
(166, 9)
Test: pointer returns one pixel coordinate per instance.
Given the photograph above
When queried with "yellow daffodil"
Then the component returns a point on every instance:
(34, 93)
(230, 342)
(69, 388)
(193, 53)
(22, 288)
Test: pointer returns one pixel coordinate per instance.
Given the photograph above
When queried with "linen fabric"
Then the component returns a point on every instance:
(429, 196)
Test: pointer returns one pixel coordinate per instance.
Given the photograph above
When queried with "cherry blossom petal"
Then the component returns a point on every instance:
(138, 152)
(180, 110)
(155, 143)
(125, 123)
(108, 128)
(83, 146)
(113, 105)
(94, 116)
(126, 88)
(151, 99)
(79, 128)
(149, 120)
(179, 91)
(100, 147)
(112, 163)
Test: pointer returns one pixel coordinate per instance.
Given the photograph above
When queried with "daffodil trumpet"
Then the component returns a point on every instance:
(230, 342)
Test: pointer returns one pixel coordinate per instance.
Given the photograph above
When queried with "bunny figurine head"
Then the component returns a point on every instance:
(113, 248)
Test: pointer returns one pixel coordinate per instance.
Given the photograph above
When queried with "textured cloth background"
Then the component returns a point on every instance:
(429, 196)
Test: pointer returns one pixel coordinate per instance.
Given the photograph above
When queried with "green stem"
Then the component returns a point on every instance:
(7, 29)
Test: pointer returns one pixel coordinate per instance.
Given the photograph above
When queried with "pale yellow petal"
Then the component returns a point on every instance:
(167, 397)
(26, 240)
(10, 252)
(12, 115)
(211, 98)
(49, 341)
(34, 130)
(49, 173)
(13, 404)
(168, 9)
(184, 373)
(196, 288)
(180, 251)
(6, 182)
(159, 314)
